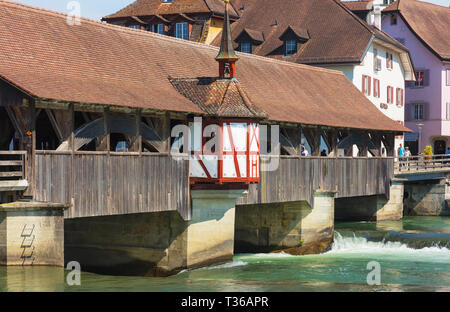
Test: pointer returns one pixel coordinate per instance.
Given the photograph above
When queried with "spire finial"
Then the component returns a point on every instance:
(226, 56)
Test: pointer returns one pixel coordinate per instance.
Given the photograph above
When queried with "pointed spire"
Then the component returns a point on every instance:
(226, 57)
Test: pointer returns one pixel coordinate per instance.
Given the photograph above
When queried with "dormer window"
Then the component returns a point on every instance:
(291, 47)
(245, 47)
(167, 1)
(293, 38)
(158, 28)
(248, 39)
(182, 31)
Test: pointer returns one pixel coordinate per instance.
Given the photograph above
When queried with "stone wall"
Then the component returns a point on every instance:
(156, 244)
(426, 199)
(292, 227)
(31, 235)
(372, 208)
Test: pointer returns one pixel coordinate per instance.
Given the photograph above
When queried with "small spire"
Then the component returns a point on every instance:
(226, 57)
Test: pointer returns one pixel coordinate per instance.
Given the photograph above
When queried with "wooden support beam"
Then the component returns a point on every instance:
(364, 148)
(389, 143)
(376, 140)
(106, 127)
(330, 138)
(349, 150)
(55, 125)
(136, 141)
(290, 140)
(312, 135)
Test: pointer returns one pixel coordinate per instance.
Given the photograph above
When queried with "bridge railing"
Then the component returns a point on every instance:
(422, 163)
(13, 165)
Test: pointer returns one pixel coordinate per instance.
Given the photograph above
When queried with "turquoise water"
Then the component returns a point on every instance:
(414, 255)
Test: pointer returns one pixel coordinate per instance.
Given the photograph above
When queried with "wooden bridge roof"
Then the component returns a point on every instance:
(97, 63)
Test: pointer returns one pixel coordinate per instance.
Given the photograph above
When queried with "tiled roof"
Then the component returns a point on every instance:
(99, 63)
(430, 23)
(336, 34)
(218, 97)
(359, 5)
(158, 7)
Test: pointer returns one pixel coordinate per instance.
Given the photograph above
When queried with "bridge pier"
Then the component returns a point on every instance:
(156, 244)
(427, 198)
(292, 227)
(372, 208)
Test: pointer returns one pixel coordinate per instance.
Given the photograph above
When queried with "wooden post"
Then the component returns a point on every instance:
(137, 141)
(312, 135)
(389, 143)
(365, 147)
(349, 151)
(31, 148)
(165, 132)
(72, 127)
(107, 129)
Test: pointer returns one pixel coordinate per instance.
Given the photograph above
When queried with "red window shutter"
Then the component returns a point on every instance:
(378, 86)
(363, 89)
(387, 60)
(388, 93)
(390, 61)
(402, 93)
(369, 84)
(392, 94)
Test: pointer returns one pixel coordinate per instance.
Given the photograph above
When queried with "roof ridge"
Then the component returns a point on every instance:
(360, 21)
(163, 37)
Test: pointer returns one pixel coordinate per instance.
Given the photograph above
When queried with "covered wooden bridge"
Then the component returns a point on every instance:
(86, 113)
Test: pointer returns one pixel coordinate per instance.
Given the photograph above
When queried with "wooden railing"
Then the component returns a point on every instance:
(422, 164)
(13, 165)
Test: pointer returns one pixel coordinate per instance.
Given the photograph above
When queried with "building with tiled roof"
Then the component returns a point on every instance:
(195, 20)
(424, 28)
(95, 67)
(328, 34)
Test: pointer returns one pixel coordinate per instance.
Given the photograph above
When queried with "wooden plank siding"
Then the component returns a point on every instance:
(112, 183)
(102, 183)
(297, 178)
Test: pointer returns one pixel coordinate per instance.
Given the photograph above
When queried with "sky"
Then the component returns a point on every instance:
(99, 8)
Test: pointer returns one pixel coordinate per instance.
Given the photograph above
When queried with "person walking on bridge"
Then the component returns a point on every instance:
(401, 153)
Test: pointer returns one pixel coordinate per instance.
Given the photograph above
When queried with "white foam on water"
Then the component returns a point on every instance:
(273, 255)
(360, 245)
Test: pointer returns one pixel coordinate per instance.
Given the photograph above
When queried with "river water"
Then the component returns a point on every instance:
(413, 254)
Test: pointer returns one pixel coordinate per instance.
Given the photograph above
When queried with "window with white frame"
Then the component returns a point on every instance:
(158, 28)
(447, 74)
(389, 61)
(182, 31)
(390, 95)
(366, 81)
(291, 47)
(418, 111)
(399, 95)
(419, 79)
(245, 47)
(376, 88)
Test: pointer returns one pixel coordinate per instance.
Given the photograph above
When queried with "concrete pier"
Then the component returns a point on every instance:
(32, 233)
(427, 198)
(372, 208)
(292, 227)
(156, 244)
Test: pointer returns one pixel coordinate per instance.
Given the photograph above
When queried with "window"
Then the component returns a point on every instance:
(390, 95)
(376, 88)
(375, 60)
(447, 72)
(291, 47)
(135, 26)
(366, 82)
(399, 95)
(393, 19)
(245, 47)
(420, 74)
(418, 111)
(182, 31)
(158, 28)
(389, 62)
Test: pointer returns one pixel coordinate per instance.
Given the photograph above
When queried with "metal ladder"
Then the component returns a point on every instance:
(28, 253)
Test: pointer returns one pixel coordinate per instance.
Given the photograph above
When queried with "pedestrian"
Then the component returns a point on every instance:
(401, 153)
(304, 151)
(407, 155)
(447, 155)
(323, 153)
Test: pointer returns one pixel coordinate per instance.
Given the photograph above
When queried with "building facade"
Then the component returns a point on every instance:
(421, 27)
(194, 20)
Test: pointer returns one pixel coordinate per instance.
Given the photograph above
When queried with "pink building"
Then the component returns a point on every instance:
(424, 29)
